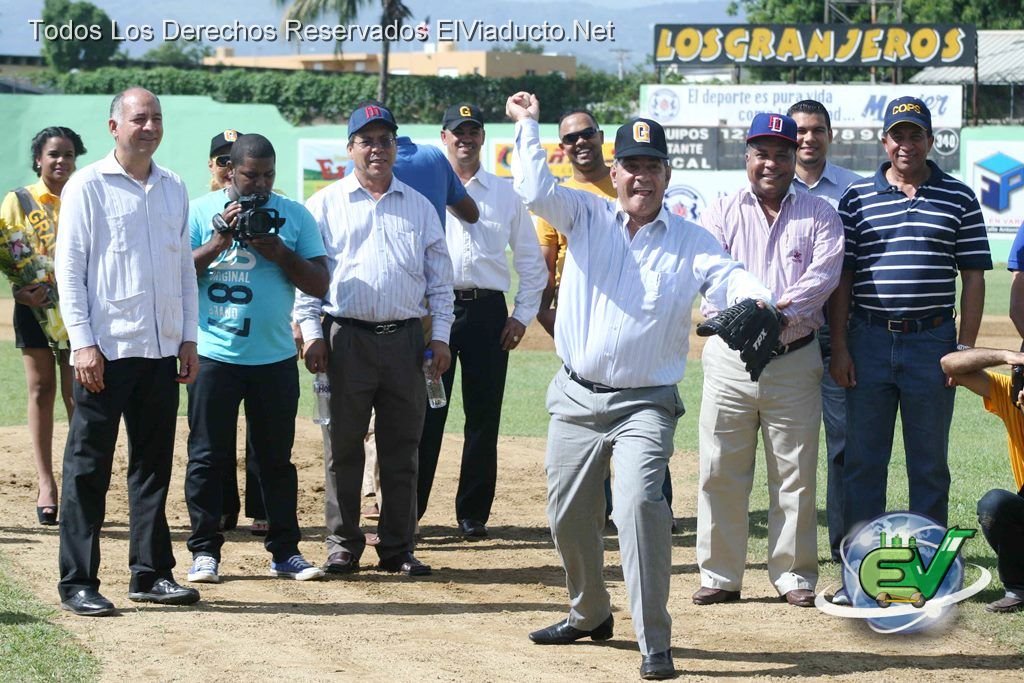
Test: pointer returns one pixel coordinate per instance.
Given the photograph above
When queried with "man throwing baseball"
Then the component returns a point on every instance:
(631, 274)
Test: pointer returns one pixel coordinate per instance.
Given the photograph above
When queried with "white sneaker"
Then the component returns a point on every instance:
(203, 570)
(841, 598)
(296, 567)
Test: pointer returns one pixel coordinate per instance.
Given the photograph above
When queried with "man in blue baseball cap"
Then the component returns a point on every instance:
(389, 268)
(910, 230)
(792, 241)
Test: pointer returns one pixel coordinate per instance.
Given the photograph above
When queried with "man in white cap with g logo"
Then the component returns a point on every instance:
(632, 271)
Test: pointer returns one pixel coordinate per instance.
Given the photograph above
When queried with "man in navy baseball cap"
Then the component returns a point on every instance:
(366, 113)
(907, 110)
(777, 126)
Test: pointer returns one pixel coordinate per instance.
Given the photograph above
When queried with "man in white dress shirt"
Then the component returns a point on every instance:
(483, 332)
(128, 298)
(385, 256)
(631, 274)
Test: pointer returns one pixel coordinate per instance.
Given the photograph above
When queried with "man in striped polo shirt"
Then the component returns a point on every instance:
(909, 229)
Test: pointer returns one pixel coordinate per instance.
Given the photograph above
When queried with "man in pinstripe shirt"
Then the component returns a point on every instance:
(386, 255)
(909, 229)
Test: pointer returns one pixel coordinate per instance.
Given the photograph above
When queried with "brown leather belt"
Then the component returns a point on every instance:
(783, 349)
(906, 326)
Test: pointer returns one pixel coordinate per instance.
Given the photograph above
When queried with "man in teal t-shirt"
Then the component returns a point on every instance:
(246, 290)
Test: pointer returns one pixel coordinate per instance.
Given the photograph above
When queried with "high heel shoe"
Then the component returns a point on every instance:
(47, 515)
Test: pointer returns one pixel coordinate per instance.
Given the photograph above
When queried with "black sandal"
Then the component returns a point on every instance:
(47, 515)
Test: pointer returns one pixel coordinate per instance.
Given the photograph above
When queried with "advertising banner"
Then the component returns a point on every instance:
(706, 125)
(914, 45)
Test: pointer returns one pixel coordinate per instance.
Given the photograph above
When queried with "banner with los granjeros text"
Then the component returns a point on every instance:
(815, 44)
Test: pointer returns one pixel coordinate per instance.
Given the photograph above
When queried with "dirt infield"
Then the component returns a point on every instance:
(467, 622)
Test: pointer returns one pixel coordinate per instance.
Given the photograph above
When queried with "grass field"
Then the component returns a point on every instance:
(31, 648)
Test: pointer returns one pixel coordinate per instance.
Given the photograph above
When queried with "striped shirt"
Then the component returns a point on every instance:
(905, 251)
(124, 262)
(624, 304)
(478, 249)
(799, 256)
(384, 256)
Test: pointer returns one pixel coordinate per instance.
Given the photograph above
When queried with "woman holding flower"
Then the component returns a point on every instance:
(33, 211)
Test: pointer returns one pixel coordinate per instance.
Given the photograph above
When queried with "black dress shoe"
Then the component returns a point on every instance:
(228, 522)
(657, 666)
(166, 592)
(341, 562)
(472, 529)
(562, 634)
(88, 603)
(404, 563)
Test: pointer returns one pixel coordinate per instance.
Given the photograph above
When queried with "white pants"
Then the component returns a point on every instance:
(785, 405)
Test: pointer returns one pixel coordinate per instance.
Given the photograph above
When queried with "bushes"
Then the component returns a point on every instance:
(305, 97)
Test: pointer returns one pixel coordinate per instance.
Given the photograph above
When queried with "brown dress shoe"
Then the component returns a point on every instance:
(1005, 605)
(800, 597)
(341, 562)
(712, 596)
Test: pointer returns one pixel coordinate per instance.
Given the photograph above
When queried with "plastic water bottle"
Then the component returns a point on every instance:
(435, 388)
(322, 399)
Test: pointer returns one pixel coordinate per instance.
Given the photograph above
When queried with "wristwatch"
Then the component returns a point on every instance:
(962, 347)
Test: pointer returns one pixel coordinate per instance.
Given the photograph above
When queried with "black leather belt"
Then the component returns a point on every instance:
(906, 326)
(587, 384)
(783, 349)
(474, 294)
(386, 327)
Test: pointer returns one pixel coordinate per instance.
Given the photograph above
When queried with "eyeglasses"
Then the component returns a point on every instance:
(223, 160)
(571, 138)
(386, 142)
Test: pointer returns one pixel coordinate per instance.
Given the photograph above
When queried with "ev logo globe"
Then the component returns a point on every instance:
(903, 572)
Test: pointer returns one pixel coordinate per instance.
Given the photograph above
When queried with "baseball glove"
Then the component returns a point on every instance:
(747, 328)
(1017, 385)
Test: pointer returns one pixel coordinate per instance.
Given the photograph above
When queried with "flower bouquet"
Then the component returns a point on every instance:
(24, 266)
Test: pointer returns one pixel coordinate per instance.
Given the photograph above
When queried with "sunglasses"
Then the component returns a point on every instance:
(571, 138)
(223, 160)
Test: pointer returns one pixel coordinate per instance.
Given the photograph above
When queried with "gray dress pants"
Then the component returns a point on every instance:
(632, 428)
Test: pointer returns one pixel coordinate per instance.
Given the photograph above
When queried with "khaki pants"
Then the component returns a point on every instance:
(785, 406)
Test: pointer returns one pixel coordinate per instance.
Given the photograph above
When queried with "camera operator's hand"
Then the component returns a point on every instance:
(270, 247)
(315, 355)
(205, 254)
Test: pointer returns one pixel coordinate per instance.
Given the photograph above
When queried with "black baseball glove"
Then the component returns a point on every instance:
(747, 328)
(1017, 385)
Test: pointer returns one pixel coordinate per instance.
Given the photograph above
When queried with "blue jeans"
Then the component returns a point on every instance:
(897, 371)
(833, 415)
(1001, 517)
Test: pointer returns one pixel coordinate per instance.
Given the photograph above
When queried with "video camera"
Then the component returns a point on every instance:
(253, 221)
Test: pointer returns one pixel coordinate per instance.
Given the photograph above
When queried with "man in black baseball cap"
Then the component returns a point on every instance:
(458, 114)
(630, 277)
(641, 170)
(220, 158)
